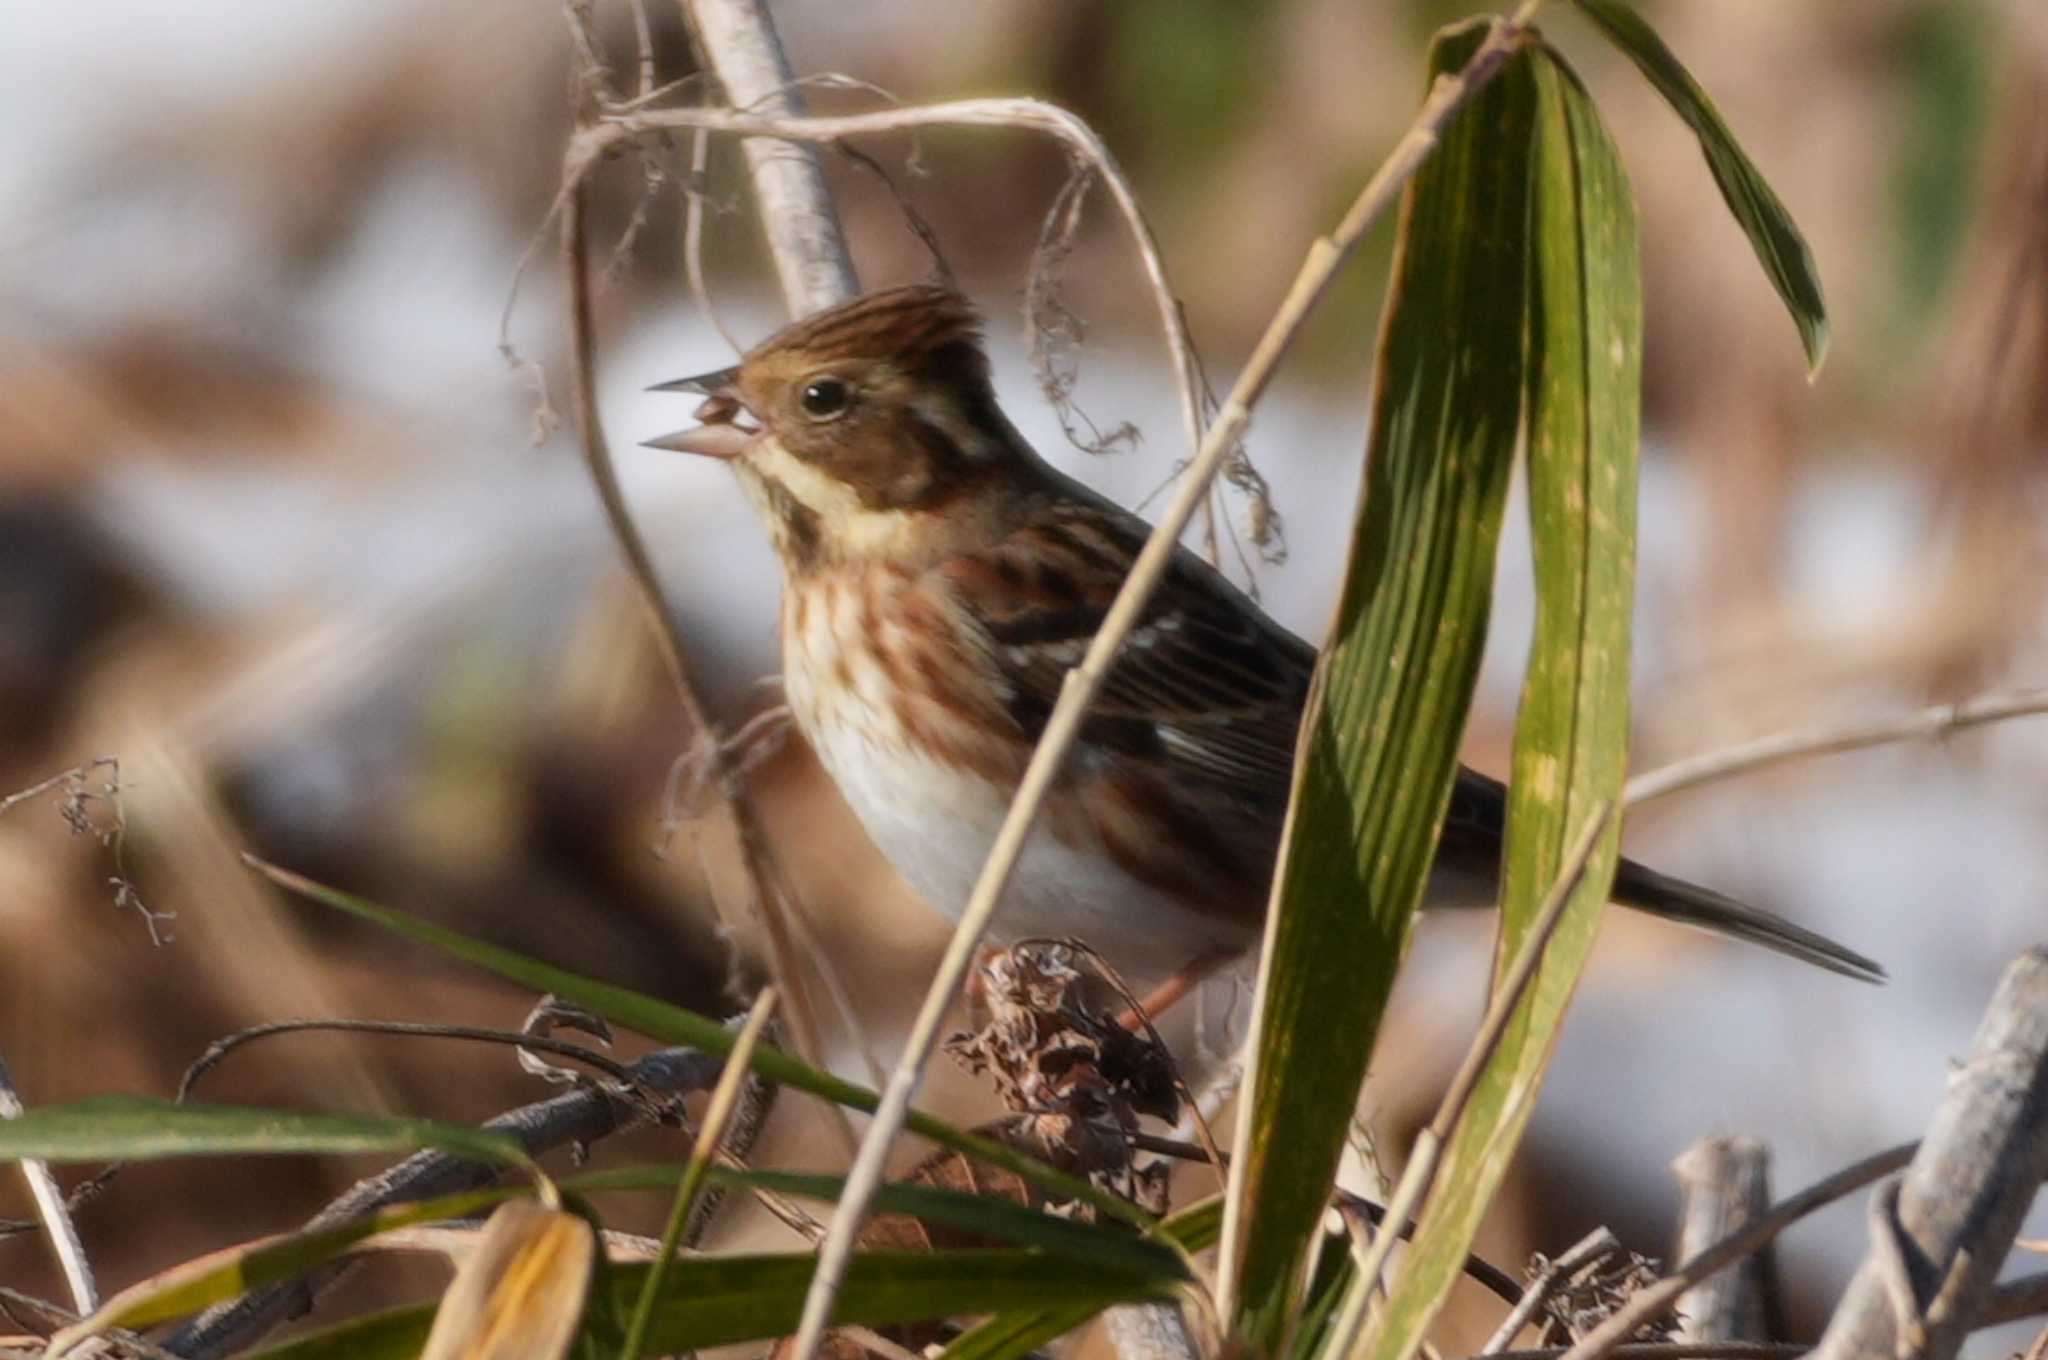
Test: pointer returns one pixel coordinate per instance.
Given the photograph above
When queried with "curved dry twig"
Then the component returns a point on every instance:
(620, 127)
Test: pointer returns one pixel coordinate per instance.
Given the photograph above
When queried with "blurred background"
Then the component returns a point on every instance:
(287, 529)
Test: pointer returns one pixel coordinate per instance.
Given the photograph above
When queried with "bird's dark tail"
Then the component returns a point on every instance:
(1689, 904)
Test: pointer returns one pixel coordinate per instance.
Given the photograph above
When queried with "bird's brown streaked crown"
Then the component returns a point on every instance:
(888, 395)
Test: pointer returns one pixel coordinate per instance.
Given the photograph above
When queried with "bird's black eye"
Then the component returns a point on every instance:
(824, 398)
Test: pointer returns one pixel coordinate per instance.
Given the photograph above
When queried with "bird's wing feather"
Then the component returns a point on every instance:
(1206, 687)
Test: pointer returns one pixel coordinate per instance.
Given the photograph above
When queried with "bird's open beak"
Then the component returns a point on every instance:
(724, 424)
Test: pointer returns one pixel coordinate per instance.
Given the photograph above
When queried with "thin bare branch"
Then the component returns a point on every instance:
(2015, 1299)
(1938, 720)
(219, 1049)
(1594, 1247)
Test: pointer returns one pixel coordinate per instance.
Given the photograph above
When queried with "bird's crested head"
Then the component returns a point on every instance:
(848, 426)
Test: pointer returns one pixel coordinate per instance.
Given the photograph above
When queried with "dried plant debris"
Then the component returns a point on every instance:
(99, 813)
(1591, 1294)
(1078, 1079)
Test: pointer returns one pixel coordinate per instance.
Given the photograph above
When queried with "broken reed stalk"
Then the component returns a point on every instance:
(1726, 1184)
(1940, 1233)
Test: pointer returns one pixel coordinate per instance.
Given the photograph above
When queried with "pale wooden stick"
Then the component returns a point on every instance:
(1941, 1232)
(804, 236)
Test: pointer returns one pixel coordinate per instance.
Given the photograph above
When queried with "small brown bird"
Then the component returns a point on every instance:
(941, 579)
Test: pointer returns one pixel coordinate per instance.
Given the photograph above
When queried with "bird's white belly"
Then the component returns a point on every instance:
(935, 822)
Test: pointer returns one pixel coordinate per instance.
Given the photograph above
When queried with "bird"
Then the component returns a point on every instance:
(941, 578)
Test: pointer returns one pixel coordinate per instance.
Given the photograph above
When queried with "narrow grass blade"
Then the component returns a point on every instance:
(1779, 246)
(1571, 739)
(672, 1024)
(1380, 739)
(135, 1129)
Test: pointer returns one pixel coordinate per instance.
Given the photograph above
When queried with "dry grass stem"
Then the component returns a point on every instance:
(52, 1209)
(755, 859)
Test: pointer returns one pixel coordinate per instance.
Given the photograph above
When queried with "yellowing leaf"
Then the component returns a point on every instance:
(519, 1295)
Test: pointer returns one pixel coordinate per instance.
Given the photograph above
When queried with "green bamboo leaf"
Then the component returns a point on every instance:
(723, 1300)
(1571, 739)
(135, 1129)
(1380, 739)
(1779, 246)
(673, 1025)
